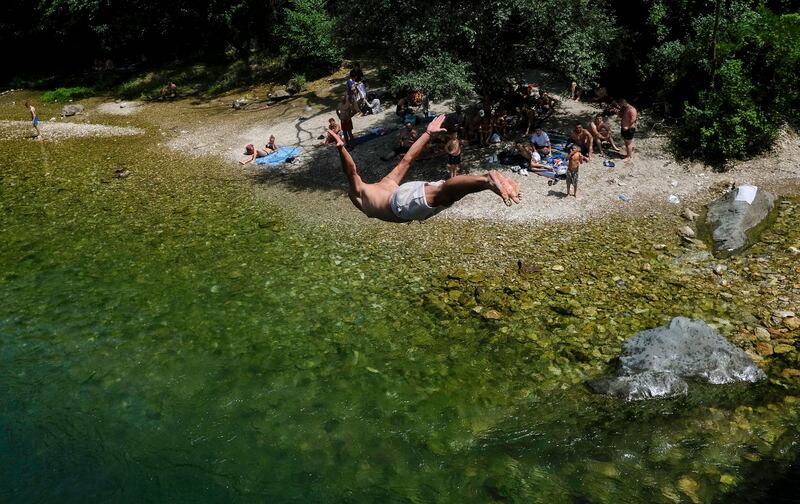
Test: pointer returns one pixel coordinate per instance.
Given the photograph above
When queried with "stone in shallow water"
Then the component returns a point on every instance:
(736, 213)
(655, 362)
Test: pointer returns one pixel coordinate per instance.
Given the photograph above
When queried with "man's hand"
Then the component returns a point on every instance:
(435, 126)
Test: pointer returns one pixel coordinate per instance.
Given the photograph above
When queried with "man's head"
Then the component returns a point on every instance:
(27, 103)
(343, 99)
(598, 118)
(249, 149)
(575, 148)
(622, 102)
(332, 122)
(578, 127)
(537, 130)
(272, 139)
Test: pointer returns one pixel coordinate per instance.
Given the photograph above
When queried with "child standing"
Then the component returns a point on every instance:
(575, 159)
(34, 118)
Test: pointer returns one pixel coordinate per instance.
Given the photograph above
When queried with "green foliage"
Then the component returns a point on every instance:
(308, 35)
(439, 76)
(65, 94)
(300, 80)
(726, 123)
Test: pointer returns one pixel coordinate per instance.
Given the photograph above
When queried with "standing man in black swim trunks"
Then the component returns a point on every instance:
(453, 148)
(628, 116)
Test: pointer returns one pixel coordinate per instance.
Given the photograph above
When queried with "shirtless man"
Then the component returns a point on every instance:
(601, 133)
(405, 140)
(345, 113)
(390, 201)
(453, 148)
(628, 117)
(581, 137)
(34, 118)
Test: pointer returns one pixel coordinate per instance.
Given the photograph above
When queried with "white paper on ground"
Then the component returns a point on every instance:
(746, 193)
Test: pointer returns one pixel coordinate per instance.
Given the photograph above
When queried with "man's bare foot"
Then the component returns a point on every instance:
(339, 141)
(498, 186)
(627, 159)
(513, 190)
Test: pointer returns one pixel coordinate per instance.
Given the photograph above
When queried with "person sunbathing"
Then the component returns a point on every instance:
(391, 200)
(254, 154)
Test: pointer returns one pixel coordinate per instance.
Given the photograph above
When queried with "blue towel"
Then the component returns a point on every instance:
(279, 156)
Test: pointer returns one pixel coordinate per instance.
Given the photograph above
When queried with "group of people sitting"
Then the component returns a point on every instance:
(252, 152)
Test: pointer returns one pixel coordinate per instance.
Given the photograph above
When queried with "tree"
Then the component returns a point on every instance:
(308, 35)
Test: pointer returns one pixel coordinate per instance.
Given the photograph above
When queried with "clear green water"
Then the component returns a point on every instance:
(171, 337)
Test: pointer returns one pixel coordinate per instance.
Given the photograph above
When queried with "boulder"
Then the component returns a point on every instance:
(71, 110)
(732, 216)
(656, 362)
(279, 95)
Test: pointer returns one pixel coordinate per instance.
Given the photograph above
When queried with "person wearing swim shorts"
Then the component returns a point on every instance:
(581, 137)
(391, 200)
(453, 148)
(34, 118)
(628, 116)
(574, 159)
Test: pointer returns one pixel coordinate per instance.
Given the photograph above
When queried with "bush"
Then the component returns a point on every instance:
(308, 32)
(726, 123)
(64, 94)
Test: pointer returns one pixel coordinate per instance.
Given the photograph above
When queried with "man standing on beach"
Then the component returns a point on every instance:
(391, 200)
(628, 117)
(34, 118)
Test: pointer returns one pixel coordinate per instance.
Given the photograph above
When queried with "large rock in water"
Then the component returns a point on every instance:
(736, 213)
(654, 363)
(71, 110)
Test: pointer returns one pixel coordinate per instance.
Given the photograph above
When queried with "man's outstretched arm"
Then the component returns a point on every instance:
(416, 149)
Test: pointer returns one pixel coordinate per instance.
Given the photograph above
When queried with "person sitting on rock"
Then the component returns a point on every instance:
(392, 200)
(253, 154)
(169, 91)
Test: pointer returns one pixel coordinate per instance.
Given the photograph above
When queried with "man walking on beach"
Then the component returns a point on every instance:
(390, 201)
(628, 116)
(34, 118)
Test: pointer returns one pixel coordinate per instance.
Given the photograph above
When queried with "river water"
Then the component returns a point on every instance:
(175, 337)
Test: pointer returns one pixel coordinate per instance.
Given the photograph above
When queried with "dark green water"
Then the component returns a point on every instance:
(170, 337)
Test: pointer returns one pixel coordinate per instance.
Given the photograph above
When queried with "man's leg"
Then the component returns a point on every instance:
(628, 149)
(459, 186)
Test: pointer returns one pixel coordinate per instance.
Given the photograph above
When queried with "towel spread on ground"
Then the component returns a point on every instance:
(279, 156)
(373, 134)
